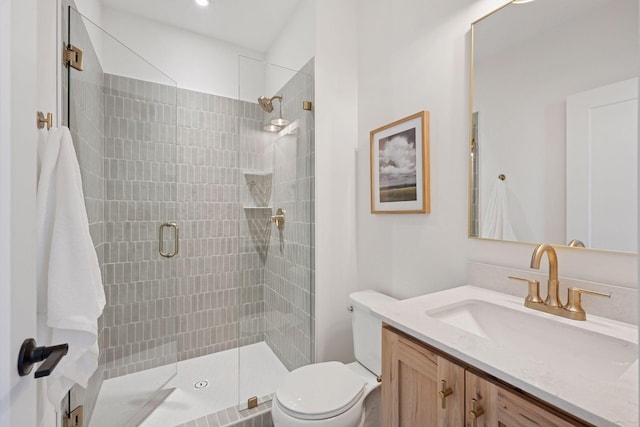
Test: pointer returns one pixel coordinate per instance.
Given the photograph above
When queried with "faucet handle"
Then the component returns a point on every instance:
(574, 303)
(533, 297)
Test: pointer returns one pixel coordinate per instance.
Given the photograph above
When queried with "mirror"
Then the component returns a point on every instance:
(554, 112)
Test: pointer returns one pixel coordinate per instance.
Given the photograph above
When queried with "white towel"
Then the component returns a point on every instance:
(496, 223)
(70, 292)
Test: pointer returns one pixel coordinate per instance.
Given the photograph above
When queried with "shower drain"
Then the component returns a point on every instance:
(201, 384)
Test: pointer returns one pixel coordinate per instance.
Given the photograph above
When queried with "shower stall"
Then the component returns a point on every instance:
(203, 224)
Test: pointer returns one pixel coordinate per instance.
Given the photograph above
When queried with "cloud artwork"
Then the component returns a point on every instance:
(399, 155)
(397, 167)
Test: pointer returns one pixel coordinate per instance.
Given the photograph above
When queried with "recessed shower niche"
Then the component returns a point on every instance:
(258, 209)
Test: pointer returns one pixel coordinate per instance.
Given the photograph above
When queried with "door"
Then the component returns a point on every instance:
(19, 101)
(124, 127)
(602, 131)
(275, 175)
(18, 136)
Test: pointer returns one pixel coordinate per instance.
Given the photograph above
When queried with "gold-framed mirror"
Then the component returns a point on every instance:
(554, 94)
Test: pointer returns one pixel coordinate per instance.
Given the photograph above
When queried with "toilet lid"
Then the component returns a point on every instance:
(319, 391)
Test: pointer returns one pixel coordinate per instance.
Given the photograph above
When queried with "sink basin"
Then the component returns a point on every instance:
(519, 332)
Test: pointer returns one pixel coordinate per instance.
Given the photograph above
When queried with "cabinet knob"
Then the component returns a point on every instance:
(475, 412)
(444, 393)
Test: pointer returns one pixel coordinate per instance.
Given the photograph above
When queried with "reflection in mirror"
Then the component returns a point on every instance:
(554, 110)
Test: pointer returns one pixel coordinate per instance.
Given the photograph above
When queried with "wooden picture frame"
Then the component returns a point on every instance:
(399, 155)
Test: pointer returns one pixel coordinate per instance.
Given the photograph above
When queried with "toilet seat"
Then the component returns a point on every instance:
(319, 391)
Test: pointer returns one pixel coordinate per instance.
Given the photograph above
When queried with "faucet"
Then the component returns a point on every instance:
(552, 305)
(553, 296)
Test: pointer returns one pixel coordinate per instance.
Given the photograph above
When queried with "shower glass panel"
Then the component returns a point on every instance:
(122, 114)
(276, 226)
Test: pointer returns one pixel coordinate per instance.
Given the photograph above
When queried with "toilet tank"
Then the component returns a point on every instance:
(367, 330)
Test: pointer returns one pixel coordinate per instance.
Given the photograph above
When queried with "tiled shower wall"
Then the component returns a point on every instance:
(140, 156)
(85, 118)
(289, 289)
(146, 183)
(216, 271)
(233, 287)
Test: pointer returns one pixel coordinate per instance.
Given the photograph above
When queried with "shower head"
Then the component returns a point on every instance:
(267, 103)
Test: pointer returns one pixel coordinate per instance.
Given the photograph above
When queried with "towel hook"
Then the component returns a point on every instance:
(41, 120)
(502, 177)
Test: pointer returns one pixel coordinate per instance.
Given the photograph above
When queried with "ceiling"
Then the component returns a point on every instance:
(253, 24)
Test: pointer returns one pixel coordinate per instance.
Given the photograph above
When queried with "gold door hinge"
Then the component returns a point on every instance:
(72, 57)
(75, 418)
(252, 402)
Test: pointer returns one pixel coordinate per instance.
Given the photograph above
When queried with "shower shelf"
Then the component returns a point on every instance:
(249, 172)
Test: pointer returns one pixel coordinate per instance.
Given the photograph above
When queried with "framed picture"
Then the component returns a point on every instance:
(400, 166)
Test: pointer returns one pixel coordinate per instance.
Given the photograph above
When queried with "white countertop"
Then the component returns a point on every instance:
(603, 402)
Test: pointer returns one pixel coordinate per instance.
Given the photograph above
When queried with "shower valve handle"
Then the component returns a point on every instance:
(279, 218)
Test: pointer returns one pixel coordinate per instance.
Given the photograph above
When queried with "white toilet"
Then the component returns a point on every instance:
(332, 394)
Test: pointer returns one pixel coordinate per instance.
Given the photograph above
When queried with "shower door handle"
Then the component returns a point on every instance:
(161, 239)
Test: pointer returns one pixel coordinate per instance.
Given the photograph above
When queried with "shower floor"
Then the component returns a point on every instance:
(260, 374)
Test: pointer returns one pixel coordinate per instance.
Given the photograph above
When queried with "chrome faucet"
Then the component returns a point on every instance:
(573, 309)
(553, 296)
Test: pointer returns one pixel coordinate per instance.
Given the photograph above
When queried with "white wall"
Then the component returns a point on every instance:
(520, 95)
(195, 62)
(294, 46)
(413, 55)
(336, 135)
(92, 10)
(296, 43)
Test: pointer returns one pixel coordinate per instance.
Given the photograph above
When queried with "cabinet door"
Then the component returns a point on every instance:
(411, 381)
(504, 408)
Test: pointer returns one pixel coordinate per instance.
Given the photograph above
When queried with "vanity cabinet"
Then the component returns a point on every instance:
(417, 378)
(412, 379)
(505, 408)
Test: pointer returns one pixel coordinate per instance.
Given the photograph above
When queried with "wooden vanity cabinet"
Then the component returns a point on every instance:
(412, 378)
(505, 408)
(412, 375)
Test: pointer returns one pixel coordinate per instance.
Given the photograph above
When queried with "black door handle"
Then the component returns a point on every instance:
(30, 355)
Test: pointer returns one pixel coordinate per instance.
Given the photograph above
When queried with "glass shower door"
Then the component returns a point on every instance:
(276, 268)
(122, 113)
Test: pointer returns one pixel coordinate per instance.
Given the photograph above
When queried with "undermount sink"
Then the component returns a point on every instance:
(516, 331)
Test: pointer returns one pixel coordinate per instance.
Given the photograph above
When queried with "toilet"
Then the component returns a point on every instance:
(332, 394)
